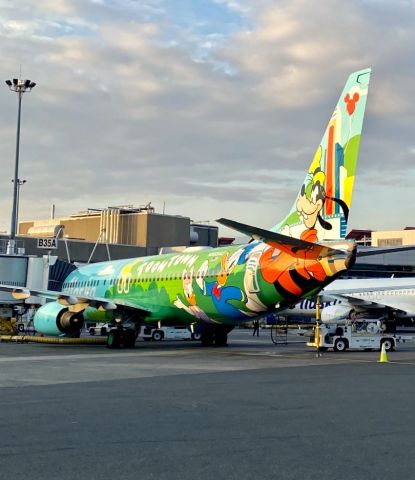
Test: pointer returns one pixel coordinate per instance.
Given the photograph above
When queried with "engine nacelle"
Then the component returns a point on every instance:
(336, 313)
(54, 319)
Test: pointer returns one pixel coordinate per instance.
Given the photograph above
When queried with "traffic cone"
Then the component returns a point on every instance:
(383, 357)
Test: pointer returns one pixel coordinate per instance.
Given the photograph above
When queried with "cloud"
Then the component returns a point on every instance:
(212, 110)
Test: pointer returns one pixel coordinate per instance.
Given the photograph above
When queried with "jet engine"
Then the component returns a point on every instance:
(336, 313)
(54, 319)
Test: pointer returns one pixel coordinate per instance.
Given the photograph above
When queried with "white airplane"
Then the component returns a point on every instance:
(387, 298)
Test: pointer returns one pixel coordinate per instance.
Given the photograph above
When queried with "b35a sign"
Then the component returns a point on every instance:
(50, 243)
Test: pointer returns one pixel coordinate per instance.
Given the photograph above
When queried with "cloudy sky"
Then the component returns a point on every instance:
(211, 107)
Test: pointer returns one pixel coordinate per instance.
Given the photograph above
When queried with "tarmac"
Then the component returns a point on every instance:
(174, 410)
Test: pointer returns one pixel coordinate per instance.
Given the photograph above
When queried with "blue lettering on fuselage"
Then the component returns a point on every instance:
(310, 304)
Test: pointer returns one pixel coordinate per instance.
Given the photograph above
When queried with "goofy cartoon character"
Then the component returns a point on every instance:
(311, 200)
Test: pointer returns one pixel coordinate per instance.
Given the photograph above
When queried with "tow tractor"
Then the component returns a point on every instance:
(361, 335)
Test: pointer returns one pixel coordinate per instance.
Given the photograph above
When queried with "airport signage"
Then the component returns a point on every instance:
(47, 243)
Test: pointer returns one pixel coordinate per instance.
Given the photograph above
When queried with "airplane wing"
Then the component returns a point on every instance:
(384, 294)
(21, 293)
(383, 251)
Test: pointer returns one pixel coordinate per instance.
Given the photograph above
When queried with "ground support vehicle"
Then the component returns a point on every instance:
(181, 332)
(367, 335)
(99, 329)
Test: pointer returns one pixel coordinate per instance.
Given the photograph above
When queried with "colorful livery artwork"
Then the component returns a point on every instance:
(216, 289)
(322, 207)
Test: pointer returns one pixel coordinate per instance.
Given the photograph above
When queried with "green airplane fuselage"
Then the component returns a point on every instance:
(227, 285)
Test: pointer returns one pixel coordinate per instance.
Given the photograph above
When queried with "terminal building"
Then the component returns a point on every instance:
(399, 264)
(115, 232)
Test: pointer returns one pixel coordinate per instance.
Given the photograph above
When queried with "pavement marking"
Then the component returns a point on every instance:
(79, 356)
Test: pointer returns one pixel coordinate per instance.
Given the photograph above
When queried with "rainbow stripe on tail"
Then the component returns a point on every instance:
(321, 209)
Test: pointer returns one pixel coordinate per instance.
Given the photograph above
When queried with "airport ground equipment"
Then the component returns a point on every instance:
(99, 329)
(180, 332)
(362, 335)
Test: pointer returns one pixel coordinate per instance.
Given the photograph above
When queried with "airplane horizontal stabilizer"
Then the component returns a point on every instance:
(293, 246)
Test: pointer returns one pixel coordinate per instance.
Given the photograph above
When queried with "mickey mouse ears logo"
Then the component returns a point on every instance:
(351, 102)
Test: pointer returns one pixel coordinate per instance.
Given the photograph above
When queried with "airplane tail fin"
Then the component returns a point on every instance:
(321, 209)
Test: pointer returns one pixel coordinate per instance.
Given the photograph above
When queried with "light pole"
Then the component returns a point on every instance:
(19, 184)
(20, 87)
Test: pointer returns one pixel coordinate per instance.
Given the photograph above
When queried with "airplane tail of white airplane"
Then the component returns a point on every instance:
(321, 209)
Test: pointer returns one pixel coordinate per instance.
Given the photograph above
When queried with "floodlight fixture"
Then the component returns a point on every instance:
(18, 86)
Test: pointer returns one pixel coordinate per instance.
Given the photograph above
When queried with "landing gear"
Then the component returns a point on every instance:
(221, 336)
(215, 335)
(114, 339)
(129, 338)
(207, 336)
(120, 336)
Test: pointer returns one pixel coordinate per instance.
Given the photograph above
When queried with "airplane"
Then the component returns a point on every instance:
(389, 299)
(217, 289)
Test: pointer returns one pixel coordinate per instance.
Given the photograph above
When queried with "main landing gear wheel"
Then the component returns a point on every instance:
(221, 337)
(340, 345)
(207, 337)
(129, 338)
(217, 335)
(114, 339)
